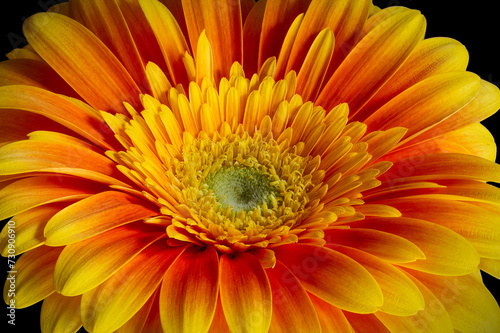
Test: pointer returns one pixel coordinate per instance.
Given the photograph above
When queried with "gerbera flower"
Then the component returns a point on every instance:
(231, 166)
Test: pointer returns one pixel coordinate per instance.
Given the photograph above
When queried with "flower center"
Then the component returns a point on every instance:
(241, 188)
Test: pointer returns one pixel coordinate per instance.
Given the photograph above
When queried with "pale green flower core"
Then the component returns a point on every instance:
(242, 188)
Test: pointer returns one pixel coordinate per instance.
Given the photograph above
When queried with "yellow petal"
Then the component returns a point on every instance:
(94, 215)
(332, 276)
(401, 296)
(31, 280)
(60, 314)
(102, 256)
(111, 304)
(469, 304)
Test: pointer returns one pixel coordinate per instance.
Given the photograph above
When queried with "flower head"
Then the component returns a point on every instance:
(231, 166)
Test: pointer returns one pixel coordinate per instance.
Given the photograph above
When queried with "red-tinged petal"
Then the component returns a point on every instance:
(111, 304)
(365, 323)
(169, 36)
(31, 192)
(485, 104)
(332, 276)
(431, 57)
(245, 294)
(215, 17)
(33, 73)
(219, 323)
(422, 106)
(375, 58)
(95, 215)
(137, 322)
(332, 319)
(32, 280)
(60, 314)
(189, 291)
(477, 222)
(86, 264)
(106, 21)
(17, 124)
(82, 60)
(71, 113)
(469, 304)
(401, 296)
(476, 139)
(142, 33)
(344, 18)
(278, 17)
(292, 311)
(252, 29)
(433, 318)
(29, 228)
(316, 62)
(384, 245)
(30, 156)
(153, 321)
(446, 252)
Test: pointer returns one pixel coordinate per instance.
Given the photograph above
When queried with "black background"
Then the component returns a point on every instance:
(473, 23)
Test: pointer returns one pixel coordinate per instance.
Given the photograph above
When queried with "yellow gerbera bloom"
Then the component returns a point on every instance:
(232, 166)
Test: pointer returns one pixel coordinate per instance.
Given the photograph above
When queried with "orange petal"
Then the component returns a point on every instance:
(442, 166)
(384, 245)
(251, 36)
(469, 304)
(433, 318)
(344, 18)
(17, 124)
(106, 21)
(426, 103)
(28, 193)
(278, 17)
(82, 60)
(33, 73)
(315, 64)
(245, 293)
(215, 17)
(401, 296)
(332, 276)
(119, 298)
(29, 156)
(192, 282)
(153, 321)
(29, 228)
(219, 323)
(476, 139)
(292, 311)
(485, 104)
(169, 37)
(71, 113)
(102, 255)
(95, 215)
(33, 277)
(375, 58)
(431, 56)
(477, 222)
(332, 319)
(60, 314)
